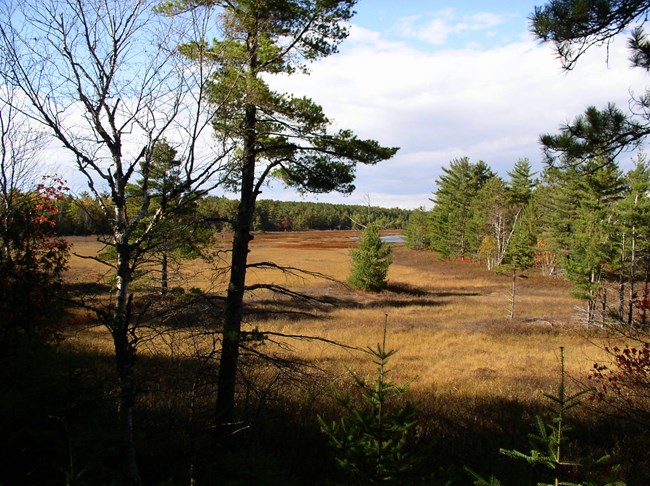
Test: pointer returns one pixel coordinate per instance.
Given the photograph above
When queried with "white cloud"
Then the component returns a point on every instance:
(437, 27)
(437, 105)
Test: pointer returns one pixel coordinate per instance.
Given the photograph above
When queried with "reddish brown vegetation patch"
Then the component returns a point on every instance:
(315, 240)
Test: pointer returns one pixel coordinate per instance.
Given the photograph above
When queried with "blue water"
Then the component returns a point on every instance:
(392, 239)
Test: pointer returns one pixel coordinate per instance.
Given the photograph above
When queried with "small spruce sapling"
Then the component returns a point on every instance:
(548, 447)
(372, 442)
(370, 261)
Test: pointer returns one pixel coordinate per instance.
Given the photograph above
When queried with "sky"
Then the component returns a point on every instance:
(443, 80)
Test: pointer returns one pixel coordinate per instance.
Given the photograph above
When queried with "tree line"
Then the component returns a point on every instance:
(83, 215)
(588, 221)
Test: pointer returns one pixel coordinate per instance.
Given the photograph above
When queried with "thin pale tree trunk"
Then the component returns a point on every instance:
(591, 306)
(630, 316)
(514, 292)
(646, 296)
(164, 274)
(621, 283)
(125, 354)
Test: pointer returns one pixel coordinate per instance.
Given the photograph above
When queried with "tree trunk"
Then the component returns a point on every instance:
(591, 305)
(227, 378)
(646, 296)
(164, 277)
(125, 353)
(621, 283)
(234, 309)
(514, 292)
(125, 361)
(630, 317)
(603, 312)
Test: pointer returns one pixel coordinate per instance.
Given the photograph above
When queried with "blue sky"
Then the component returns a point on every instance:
(459, 24)
(444, 80)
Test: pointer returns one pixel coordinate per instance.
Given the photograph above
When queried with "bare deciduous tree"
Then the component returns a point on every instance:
(105, 78)
(19, 148)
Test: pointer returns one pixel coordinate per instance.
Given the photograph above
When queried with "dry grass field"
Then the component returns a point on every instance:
(449, 320)
(472, 370)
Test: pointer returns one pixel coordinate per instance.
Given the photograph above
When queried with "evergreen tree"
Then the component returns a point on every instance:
(573, 27)
(550, 444)
(278, 135)
(521, 250)
(450, 230)
(519, 254)
(373, 439)
(416, 229)
(582, 223)
(521, 184)
(181, 233)
(370, 261)
(633, 217)
(526, 229)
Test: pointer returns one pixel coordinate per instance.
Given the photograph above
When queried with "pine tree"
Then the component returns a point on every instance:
(549, 447)
(522, 183)
(450, 230)
(180, 234)
(370, 261)
(573, 27)
(633, 217)
(582, 223)
(277, 135)
(416, 229)
(527, 201)
(520, 253)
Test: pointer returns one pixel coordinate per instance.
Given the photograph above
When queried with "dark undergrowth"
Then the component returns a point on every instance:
(57, 419)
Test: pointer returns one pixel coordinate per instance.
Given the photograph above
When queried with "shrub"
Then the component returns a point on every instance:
(32, 260)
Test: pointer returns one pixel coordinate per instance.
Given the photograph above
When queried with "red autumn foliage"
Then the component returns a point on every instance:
(624, 384)
(31, 261)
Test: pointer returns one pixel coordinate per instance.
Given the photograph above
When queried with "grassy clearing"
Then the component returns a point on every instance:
(477, 375)
(447, 319)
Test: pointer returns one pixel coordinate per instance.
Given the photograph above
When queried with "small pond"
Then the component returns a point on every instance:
(392, 239)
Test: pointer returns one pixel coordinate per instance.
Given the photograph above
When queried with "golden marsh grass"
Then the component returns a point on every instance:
(448, 320)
